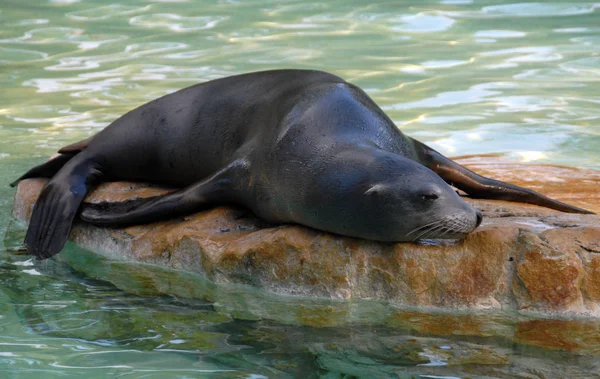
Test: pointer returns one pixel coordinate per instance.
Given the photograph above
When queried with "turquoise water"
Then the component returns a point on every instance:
(467, 77)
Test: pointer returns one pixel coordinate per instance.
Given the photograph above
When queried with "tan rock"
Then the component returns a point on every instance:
(523, 257)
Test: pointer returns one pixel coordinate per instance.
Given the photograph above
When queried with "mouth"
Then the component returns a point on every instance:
(449, 227)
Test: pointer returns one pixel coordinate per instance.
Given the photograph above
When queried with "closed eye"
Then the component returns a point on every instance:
(431, 196)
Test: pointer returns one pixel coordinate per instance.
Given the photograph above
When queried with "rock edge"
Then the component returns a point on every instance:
(523, 257)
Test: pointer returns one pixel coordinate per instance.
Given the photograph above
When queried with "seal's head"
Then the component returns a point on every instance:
(395, 199)
(417, 206)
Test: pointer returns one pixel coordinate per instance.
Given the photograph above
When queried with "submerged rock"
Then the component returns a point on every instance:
(522, 257)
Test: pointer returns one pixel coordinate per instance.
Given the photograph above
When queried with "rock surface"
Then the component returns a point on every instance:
(522, 257)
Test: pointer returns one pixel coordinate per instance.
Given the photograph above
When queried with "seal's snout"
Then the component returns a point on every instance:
(479, 218)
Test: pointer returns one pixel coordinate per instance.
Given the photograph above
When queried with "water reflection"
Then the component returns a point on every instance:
(81, 323)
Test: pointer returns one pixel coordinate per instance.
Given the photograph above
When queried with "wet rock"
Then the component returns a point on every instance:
(569, 335)
(523, 257)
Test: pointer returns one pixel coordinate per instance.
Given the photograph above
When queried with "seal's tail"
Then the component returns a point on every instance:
(46, 169)
(480, 187)
(57, 205)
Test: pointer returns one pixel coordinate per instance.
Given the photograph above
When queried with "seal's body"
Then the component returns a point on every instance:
(294, 146)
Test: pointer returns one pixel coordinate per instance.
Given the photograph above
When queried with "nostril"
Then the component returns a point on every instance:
(479, 217)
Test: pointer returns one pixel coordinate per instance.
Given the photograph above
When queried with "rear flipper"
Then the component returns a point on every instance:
(51, 167)
(480, 187)
(46, 169)
(57, 205)
(214, 190)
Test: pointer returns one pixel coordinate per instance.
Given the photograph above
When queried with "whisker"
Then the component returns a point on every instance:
(430, 231)
(440, 229)
(425, 232)
(446, 227)
(424, 226)
(445, 232)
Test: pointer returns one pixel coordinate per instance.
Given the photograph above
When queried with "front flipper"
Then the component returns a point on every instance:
(216, 189)
(480, 187)
(57, 205)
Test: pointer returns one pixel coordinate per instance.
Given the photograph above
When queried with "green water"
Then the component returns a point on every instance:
(464, 76)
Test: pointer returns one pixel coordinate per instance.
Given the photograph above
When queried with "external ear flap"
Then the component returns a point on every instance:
(375, 189)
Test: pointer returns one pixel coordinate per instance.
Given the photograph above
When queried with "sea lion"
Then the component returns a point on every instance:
(293, 146)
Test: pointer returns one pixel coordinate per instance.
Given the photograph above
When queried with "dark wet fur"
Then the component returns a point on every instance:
(46, 169)
(57, 206)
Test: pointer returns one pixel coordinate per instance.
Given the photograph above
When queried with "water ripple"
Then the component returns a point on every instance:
(499, 34)
(540, 9)
(591, 43)
(20, 55)
(526, 54)
(474, 94)
(584, 66)
(106, 12)
(289, 55)
(523, 10)
(54, 35)
(131, 52)
(421, 23)
(443, 63)
(34, 21)
(175, 22)
(280, 9)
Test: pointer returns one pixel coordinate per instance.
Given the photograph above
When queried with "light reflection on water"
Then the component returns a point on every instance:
(464, 76)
